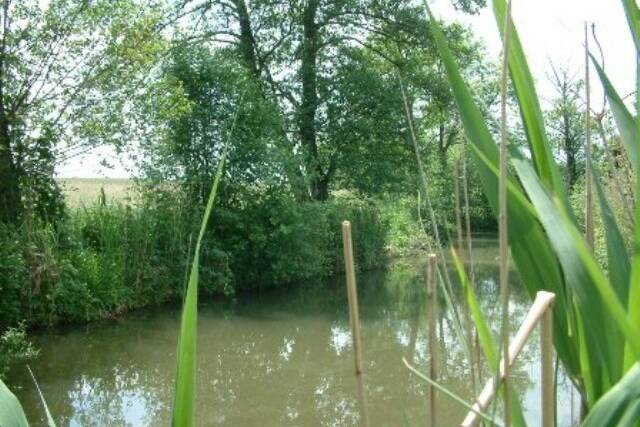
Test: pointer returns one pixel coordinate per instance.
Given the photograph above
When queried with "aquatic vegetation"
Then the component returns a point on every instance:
(545, 239)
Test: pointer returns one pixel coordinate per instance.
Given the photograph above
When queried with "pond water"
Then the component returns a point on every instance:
(278, 358)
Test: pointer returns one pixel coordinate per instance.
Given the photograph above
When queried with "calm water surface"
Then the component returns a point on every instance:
(281, 358)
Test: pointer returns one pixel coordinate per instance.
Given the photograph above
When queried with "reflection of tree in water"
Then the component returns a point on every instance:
(98, 377)
(269, 359)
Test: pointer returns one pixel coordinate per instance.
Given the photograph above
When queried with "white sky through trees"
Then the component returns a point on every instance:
(550, 31)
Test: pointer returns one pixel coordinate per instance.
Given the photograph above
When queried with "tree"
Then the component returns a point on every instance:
(66, 70)
(204, 98)
(293, 50)
(566, 125)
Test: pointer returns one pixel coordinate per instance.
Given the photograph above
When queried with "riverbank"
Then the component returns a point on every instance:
(287, 351)
(119, 254)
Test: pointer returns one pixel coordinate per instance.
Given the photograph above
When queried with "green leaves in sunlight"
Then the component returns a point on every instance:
(11, 412)
(185, 388)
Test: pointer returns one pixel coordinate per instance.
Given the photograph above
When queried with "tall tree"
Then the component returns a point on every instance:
(64, 68)
(294, 49)
(566, 124)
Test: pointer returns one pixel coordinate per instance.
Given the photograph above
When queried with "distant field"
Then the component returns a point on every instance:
(85, 191)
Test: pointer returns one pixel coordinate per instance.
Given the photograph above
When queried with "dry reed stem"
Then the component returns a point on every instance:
(548, 398)
(589, 191)
(432, 310)
(354, 319)
(541, 305)
(503, 220)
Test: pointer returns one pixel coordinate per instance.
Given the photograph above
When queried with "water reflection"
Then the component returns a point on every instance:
(274, 359)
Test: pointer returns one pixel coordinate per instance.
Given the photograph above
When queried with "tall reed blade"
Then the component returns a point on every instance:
(530, 110)
(625, 121)
(490, 348)
(185, 387)
(50, 421)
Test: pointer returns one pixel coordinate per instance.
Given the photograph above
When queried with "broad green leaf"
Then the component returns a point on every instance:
(620, 406)
(619, 267)
(185, 388)
(624, 120)
(595, 295)
(530, 110)
(633, 18)
(11, 412)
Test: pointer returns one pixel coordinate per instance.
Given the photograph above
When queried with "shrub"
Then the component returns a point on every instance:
(14, 348)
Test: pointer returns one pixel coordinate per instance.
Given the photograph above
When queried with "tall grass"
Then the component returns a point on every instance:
(596, 314)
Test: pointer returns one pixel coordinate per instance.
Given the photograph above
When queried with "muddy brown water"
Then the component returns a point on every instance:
(277, 359)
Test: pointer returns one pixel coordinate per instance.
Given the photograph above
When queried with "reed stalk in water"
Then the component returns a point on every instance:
(503, 216)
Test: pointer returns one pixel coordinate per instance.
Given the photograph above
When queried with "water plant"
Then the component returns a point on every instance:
(546, 240)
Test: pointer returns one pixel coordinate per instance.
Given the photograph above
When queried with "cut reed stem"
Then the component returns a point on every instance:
(354, 319)
(432, 310)
(541, 305)
(548, 400)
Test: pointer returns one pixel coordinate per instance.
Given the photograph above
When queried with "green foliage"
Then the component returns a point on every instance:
(620, 406)
(15, 348)
(103, 261)
(68, 73)
(566, 126)
(546, 241)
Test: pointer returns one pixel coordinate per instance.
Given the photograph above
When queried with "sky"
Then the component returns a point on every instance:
(550, 31)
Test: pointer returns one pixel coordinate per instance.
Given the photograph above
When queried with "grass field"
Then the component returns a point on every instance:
(86, 191)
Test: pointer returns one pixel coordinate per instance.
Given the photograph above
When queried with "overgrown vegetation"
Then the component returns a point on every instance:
(106, 260)
(327, 105)
(548, 244)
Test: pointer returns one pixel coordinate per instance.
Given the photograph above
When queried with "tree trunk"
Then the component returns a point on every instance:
(570, 154)
(318, 181)
(9, 188)
(247, 40)
(248, 50)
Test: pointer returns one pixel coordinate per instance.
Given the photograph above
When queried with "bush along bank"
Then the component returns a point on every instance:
(104, 260)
